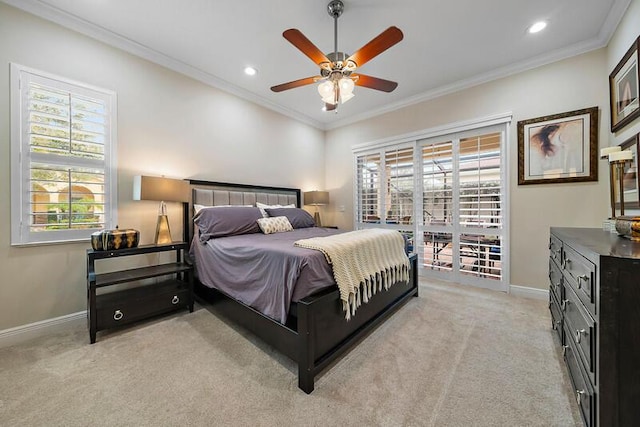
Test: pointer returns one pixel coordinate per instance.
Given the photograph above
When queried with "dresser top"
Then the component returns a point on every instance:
(598, 241)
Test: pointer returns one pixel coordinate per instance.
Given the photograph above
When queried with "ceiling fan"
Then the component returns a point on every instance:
(337, 69)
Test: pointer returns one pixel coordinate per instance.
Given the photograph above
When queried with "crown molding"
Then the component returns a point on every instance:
(75, 23)
(496, 74)
(618, 9)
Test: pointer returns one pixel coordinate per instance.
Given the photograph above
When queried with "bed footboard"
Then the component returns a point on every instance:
(325, 335)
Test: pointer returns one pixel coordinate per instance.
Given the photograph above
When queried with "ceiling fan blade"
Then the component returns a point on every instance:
(299, 40)
(294, 84)
(375, 83)
(330, 107)
(375, 47)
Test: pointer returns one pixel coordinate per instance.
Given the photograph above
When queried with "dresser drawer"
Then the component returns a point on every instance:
(580, 274)
(556, 316)
(583, 391)
(555, 249)
(555, 279)
(582, 331)
(123, 307)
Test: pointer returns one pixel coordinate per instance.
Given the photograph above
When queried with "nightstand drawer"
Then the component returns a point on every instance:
(123, 307)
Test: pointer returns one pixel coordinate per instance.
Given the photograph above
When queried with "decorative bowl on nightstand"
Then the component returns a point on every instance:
(629, 227)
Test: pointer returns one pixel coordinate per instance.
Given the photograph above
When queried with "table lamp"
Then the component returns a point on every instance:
(604, 154)
(163, 190)
(316, 198)
(619, 159)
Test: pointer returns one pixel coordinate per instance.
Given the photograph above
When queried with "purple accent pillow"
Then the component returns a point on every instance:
(299, 218)
(227, 221)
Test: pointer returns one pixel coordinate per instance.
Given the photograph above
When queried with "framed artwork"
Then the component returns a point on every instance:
(624, 84)
(558, 148)
(630, 181)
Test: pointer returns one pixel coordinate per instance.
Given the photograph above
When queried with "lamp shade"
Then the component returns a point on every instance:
(316, 198)
(160, 189)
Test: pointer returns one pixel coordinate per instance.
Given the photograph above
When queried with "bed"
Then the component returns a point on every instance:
(313, 331)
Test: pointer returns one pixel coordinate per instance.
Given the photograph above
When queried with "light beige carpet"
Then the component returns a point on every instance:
(456, 356)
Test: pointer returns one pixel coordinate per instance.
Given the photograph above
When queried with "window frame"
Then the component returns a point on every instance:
(21, 158)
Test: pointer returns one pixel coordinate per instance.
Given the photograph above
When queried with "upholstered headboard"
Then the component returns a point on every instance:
(219, 193)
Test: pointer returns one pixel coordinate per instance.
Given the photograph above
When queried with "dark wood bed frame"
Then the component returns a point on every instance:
(316, 332)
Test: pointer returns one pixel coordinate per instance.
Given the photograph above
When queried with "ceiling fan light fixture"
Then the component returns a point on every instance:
(344, 97)
(346, 85)
(325, 89)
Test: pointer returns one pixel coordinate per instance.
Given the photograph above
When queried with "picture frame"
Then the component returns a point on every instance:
(559, 148)
(624, 89)
(631, 181)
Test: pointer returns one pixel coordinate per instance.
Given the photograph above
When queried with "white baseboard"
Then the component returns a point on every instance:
(23, 333)
(526, 292)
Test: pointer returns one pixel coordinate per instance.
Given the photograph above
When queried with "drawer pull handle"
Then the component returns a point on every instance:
(564, 350)
(564, 304)
(175, 300)
(583, 278)
(117, 315)
(555, 325)
(579, 333)
(579, 394)
(565, 263)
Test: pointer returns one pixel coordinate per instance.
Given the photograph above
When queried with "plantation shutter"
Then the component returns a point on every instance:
(368, 188)
(65, 160)
(399, 196)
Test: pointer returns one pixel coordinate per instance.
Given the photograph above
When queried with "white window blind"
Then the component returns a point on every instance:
(399, 185)
(63, 133)
(437, 183)
(480, 186)
(368, 188)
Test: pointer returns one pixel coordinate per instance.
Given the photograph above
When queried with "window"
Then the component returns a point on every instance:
(62, 158)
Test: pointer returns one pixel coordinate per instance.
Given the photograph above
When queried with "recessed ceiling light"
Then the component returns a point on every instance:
(250, 71)
(537, 27)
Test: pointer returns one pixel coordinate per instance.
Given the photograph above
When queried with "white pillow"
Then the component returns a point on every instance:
(263, 206)
(198, 208)
(275, 224)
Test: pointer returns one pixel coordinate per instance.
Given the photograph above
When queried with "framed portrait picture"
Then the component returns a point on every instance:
(558, 148)
(624, 84)
(630, 183)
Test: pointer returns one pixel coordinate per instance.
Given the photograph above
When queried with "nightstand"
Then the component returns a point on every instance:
(111, 309)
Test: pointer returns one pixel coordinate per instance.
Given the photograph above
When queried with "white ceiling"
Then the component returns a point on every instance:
(448, 44)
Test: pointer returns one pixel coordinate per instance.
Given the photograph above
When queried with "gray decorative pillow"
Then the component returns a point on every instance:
(263, 208)
(299, 218)
(228, 221)
(276, 224)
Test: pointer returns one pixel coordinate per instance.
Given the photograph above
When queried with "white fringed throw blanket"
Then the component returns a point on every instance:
(363, 261)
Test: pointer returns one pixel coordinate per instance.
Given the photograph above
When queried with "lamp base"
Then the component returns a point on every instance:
(163, 233)
(316, 218)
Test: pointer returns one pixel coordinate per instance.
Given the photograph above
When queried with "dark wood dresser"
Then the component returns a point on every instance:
(595, 309)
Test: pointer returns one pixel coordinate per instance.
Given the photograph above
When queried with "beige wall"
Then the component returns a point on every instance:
(572, 84)
(167, 125)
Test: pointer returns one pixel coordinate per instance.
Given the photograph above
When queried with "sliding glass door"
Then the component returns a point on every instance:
(461, 229)
(446, 194)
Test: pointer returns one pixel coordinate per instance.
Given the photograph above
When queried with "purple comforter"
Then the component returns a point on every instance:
(264, 271)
